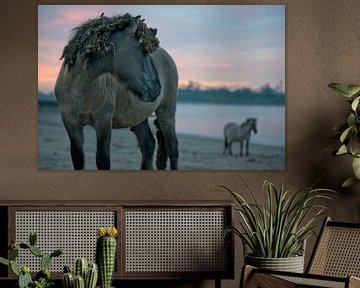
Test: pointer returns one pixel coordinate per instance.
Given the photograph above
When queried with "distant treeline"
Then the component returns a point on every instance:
(245, 96)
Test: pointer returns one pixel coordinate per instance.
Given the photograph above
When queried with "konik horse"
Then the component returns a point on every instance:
(239, 133)
(114, 75)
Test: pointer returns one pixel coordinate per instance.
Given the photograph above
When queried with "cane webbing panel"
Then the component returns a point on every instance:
(74, 231)
(175, 241)
(313, 282)
(338, 252)
(267, 280)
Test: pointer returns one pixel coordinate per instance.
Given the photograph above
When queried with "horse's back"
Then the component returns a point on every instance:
(231, 130)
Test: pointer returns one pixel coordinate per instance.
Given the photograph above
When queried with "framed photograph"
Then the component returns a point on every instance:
(180, 87)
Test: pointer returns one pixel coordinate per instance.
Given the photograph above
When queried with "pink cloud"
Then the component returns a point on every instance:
(47, 75)
(76, 15)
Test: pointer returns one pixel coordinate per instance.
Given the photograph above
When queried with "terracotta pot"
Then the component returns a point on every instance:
(291, 264)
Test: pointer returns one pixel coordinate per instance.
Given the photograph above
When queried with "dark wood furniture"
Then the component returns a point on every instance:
(157, 240)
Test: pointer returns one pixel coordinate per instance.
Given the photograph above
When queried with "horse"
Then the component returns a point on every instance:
(115, 75)
(239, 133)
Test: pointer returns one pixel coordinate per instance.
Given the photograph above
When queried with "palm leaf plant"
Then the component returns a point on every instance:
(348, 132)
(279, 229)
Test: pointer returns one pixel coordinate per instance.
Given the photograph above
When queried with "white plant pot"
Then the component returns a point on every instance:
(291, 264)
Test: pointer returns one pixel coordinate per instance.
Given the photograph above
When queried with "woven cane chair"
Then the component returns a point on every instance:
(335, 262)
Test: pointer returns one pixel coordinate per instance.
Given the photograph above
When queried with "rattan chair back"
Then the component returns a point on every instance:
(337, 252)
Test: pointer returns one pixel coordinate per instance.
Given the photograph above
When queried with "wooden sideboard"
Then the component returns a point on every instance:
(157, 240)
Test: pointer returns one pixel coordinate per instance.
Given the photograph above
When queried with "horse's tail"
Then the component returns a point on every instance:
(161, 155)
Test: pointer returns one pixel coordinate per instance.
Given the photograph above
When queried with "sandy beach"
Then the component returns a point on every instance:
(195, 152)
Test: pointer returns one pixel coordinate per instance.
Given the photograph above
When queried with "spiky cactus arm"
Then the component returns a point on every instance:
(57, 253)
(24, 280)
(36, 251)
(32, 238)
(80, 268)
(68, 280)
(45, 261)
(67, 269)
(4, 261)
(43, 274)
(79, 282)
(106, 254)
(13, 253)
(91, 276)
(14, 268)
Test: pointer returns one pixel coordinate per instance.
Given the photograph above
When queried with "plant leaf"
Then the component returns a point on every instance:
(340, 88)
(351, 120)
(353, 89)
(342, 150)
(345, 134)
(355, 103)
(356, 167)
(349, 182)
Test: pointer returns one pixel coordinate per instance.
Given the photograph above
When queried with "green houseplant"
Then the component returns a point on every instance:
(42, 278)
(279, 229)
(348, 132)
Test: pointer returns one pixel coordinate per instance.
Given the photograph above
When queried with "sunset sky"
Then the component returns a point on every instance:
(222, 45)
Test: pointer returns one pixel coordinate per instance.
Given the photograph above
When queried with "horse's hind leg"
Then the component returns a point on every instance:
(241, 148)
(103, 139)
(76, 136)
(161, 155)
(230, 147)
(247, 147)
(167, 127)
(226, 144)
(146, 142)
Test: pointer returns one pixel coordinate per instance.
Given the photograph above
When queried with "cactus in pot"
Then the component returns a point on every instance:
(79, 282)
(91, 276)
(42, 278)
(106, 254)
(68, 278)
(81, 266)
(85, 275)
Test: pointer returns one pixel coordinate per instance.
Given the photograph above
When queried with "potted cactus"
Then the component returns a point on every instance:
(106, 254)
(42, 278)
(84, 275)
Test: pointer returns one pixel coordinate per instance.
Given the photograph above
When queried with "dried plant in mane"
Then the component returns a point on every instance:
(94, 37)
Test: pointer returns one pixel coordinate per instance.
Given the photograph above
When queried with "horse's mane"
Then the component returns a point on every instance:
(94, 37)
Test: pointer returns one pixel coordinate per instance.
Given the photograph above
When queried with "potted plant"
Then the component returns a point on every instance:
(348, 132)
(42, 278)
(276, 233)
(84, 274)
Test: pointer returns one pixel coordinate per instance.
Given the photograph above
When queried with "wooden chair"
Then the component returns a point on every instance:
(334, 263)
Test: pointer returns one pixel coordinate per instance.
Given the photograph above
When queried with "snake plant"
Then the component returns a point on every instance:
(279, 228)
(348, 132)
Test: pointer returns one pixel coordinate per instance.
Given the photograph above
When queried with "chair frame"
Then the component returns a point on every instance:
(256, 277)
